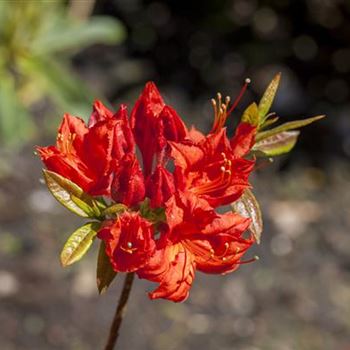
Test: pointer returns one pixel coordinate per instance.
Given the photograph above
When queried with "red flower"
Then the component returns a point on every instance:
(197, 238)
(211, 168)
(209, 171)
(87, 155)
(154, 123)
(129, 241)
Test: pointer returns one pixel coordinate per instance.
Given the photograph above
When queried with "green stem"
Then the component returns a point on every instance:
(120, 312)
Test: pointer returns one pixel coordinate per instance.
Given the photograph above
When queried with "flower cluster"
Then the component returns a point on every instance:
(159, 214)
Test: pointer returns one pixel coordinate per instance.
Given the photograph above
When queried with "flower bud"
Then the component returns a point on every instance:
(128, 185)
(99, 113)
(123, 139)
(160, 186)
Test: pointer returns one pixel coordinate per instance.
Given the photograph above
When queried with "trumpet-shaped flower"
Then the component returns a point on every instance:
(212, 168)
(129, 241)
(87, 155)
(196, 238)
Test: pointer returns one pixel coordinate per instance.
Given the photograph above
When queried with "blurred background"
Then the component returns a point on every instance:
(57, 56)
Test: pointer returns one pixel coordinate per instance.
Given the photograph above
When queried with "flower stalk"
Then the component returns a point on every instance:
(120, 312)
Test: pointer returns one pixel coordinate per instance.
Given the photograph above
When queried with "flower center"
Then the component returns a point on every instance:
(129, 248)
(66, 143)
(221, 181)
(226, 255)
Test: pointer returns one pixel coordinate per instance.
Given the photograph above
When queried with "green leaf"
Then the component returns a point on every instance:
(104, 272)
(89, 210)
(270, 119)
(286, 126)
(59, 83)
(70, 195)
(76, 35)
(247, 206)
(277, 144)
(154, 215)
(16, 125)
(115, 209)
(251, 115)
(79, 243)
(268, 97)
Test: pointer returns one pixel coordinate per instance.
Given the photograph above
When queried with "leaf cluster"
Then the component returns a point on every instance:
(36, 40)
(269, 142)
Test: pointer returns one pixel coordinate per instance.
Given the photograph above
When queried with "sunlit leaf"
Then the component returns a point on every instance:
(287, 126)
(69, 194)
(114, 209)
(269, 121)
(104, 272)
(79, 243)
(251, 115)
(247, 206)
(277, 144)
(69, 34)
(268, 97)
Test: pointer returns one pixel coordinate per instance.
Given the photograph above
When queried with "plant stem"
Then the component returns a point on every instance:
(120, 312)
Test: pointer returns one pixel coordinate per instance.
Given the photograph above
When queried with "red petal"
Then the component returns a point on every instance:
(195, 135)
(123, 141)
(185, 155)
(176, 280)
(71, 134)
(160, 186)
(99, 113)
(128, 182)
(243, 140)
(70, 168)
(174, 128)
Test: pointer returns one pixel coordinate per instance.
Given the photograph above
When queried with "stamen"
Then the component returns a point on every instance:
(129, 248)
(221, 111)
(213, 103)
(256, 258)
(223, 255)
(221, 182)
(240, 95)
